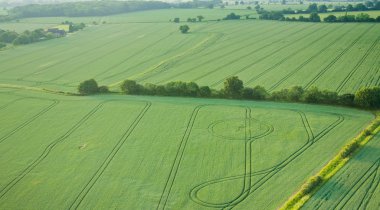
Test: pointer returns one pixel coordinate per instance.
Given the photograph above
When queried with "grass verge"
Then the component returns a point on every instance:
(345, 154)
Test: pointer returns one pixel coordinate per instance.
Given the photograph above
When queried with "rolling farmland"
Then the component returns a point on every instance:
(138, 152)
(276, 55)
(56, 150)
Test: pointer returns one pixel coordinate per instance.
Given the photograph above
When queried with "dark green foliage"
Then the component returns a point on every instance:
(200, 18)
(103, 89)
(2, 45)
(88, 87)
(233, 87)
(322, 8)
(8, 36)
(131, 87)
(232, 16)
(346, 99)
(272, 15)
(205, 91)
(360, 7)
(312, 8)
(330, 18)
(368, 98)
(259, 93)
(91, 8)
(176, 20)
(184, 29)
(314, 17)
(247, 93)
(74, 26)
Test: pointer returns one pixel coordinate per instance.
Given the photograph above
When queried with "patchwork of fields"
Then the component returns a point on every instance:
(136, 152)
(106, 151)
(276, 55)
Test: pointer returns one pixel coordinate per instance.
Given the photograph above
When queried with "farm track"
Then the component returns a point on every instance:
(266, 71)
(87, 51)
(282, 80)
(27, 122)
(360, 62)
(256, 61)
(326, 68)
(269, 173)
(47, 151)
(221, 56)
(42, 58)
(372, 171)
(247, 175)
(178, 158)
(311, 140)
(246, 190)
(83, 193)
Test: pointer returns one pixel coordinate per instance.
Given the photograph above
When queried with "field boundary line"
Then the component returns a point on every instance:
(95, 177)
(47, 151)
(299, 198)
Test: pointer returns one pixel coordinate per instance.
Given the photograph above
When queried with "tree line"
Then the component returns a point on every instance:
(78, 9)
(37, 35)
(233, 88)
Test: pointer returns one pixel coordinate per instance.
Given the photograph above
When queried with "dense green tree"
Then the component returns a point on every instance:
(346, 99)
(103, 89)
(200, 18)
(176, 20)
(314, 17)
(368, 97)
(247, 93)
(205, 91)
(349, 7)
(259, 93)
(312, 95)
(312, 8)
(131, 87)
(184, 28)
(88, 87)
(330, 18)
(192, 89)
(233, 87)
(8, 36)
(322, 8)
(232, 16)
(295, 93)
(360, 7)
(363, 17)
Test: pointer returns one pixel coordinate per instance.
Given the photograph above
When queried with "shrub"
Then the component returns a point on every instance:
(349, 149)
(233, 87)
(259, 93)
(205, 91)
(88, 87)
(103, 89)
(131, 87)
(311, 185)
(368, 97)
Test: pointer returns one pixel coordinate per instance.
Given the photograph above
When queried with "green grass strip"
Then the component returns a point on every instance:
(345, 154)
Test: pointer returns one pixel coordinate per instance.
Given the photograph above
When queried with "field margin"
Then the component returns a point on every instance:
(312, 185)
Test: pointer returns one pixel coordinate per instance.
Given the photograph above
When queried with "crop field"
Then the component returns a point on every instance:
(356, 186)
(164, 153)
(113, 151)
(276, 55)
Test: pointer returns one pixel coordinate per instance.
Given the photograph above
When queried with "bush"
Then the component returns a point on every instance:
(259, 93)
(88, 87)
(368, 98)
(131, 87)
(103, 89)
(349, 149)
(311, 185)
(205, 91)
(233, 87)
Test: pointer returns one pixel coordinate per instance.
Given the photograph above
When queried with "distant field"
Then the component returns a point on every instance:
(103, 152)
(373, 14)
(339, 57)
(356, 186)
